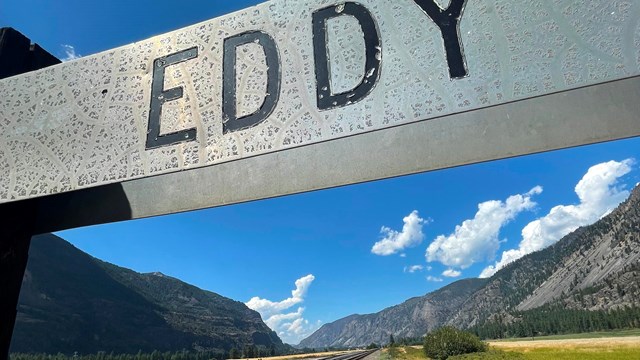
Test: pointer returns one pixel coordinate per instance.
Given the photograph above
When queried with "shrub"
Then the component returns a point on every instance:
(448, 341)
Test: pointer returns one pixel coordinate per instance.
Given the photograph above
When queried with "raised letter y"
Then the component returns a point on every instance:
(448, 20)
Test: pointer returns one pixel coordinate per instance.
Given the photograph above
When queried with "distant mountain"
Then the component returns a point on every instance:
(604, 256)
(71, 301)
(409, 319)
(596, 267)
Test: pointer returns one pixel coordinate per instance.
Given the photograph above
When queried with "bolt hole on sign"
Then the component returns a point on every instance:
(288, 73)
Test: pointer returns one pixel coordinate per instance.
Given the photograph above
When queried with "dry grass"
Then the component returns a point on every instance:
(403, 353)
(621, 348)
(613, 348)
(596, 344)
(589, 335)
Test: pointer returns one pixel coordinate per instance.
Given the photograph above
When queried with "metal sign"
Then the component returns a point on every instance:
(289, 73)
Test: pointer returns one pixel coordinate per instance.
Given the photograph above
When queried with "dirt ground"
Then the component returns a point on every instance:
(302, 356)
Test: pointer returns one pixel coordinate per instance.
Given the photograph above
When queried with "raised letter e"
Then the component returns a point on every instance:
(159, 96)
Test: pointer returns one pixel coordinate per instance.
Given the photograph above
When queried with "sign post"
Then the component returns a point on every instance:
(288, 74)
(17, 56)
(14, 252)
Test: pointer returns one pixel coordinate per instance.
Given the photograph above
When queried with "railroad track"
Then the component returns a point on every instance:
(351, 356)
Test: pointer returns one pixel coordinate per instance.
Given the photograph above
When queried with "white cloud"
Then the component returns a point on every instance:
(70, 53)
(290, 325)
(477, 239)
(414, 268)
(434, 279)
(598, 194)
(267, 307)
(395, 242)
(451, 273)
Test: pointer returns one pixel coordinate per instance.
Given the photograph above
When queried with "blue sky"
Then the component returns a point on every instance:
(326, 240)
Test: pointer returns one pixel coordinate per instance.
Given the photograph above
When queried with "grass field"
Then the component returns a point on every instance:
(554, 354)
(626, 346)
(593, 335)
(616, 345)
(403, 353)
(614, 348)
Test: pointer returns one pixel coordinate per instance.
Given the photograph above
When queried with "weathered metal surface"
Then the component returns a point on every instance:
(582, 116)
(85, 123)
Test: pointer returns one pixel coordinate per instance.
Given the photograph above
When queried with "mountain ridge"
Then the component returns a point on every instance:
(421, 310)
(71, 301)
(595, 267)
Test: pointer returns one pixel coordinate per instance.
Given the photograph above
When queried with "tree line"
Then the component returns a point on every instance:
(557, 320)
(547, 320)
(249, 351)
(155, 355)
